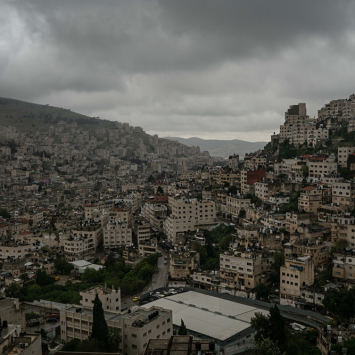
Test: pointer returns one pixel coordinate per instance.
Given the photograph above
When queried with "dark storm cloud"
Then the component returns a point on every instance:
(179, 66)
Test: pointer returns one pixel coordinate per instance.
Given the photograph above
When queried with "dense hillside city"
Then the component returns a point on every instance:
(249, 252)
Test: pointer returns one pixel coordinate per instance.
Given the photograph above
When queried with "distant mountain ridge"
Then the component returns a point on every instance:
(221, 148)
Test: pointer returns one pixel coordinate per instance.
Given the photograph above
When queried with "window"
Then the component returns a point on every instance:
(134, 346)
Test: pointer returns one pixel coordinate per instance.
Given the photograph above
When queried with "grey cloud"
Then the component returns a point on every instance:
(182, 65)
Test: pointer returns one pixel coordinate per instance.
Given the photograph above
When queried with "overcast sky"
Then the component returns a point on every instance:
(210, 69)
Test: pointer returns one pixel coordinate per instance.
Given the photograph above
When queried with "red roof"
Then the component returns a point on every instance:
(3, 225)
(307, 156)
(317, 159)
(24, 220)
(26, 232)
(308, 188)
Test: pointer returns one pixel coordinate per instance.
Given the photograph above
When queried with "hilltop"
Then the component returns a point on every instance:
(221, 148)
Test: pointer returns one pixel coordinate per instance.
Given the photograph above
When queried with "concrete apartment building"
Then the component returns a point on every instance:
(141, 230)
(183, 263)
(343, 194)
(155, 214)
(136, 328)
(234, 205)
(243, 268)
(233, 161)
(344, 109)
(13, 250)
(319, 166)
(295, 220)
(147, 248)
(297, 273)
(188, 215)
(117, 233)
(99, 206)
(343, 155)
(248, 178)
(344, 266)
(310, 199)
(122, 212)
(109, 297)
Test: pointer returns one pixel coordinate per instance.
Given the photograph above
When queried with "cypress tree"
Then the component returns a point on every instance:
(182, 329)
(277, 326)
(99, 330)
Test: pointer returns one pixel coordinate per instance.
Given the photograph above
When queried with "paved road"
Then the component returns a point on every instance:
(159, 279)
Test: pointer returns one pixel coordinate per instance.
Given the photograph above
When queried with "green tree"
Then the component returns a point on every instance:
(242, 213)
(261, 325)
(71, 345)
(182, 329)
(277, 327)
(266, 347)
(349, 344)
(233, 190)
(340, 302)
(99, 326)
(114, 339)
(63, 266)
(262, 291)
(4, 213)
(13, 290)
(43, 279)
(279, 260)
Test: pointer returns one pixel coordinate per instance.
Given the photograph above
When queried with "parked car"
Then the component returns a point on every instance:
(298, 327)
(57, 278)
(51, 320)
(54, 315)
(35, 323)
(135, 299)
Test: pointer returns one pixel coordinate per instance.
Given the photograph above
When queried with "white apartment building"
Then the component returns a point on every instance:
(342, 108)
(343, 193)
(147, 248)
(136, 328)
(99, 206)
(234, 205)
(244, 269)
(262, 190)
(296, 273)
(344, 266)
(310, 199)
(110, 298)
(117, 233)
(155, 214)
(188, 215)
(343, 155)
(295, 220)
(318, 168)
(14, 250)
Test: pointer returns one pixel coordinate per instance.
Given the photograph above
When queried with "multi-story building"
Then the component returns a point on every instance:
(343, 109)
(183, 263)
(295, 220)
(249, 178)
(344, 266)
(122, 212)
(310, 199)
(155, 214)
(147, 248)
(136, 328)
(343, 194)
(13, 250)
(318, 167)
(343, 155)
(245, 268)
(117, 233)
(188, 215)
(141, 230)
(295, 274)
(234, 204)
(233, 161)
(110, 298)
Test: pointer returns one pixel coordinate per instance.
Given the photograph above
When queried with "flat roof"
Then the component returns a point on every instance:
(212, 316)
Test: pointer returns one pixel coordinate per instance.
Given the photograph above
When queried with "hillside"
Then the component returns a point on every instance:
(221, 148)
(32, 117)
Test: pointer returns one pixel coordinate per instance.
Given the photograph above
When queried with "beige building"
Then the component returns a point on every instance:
(188, 215)
(244, 269)
(136, 328)
(310, 199)
(141, 230)
(343, 194)
(117, 233)
(123, 213)
(234, 205)
(296, 273)
(182, 264)
(147, 248)
(343, 155)
(155, 214)
(295, 220)
(344, 266)
(110, 298)
(319, 168)
(13, 250)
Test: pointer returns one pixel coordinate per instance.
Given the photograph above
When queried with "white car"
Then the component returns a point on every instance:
(298, 327)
